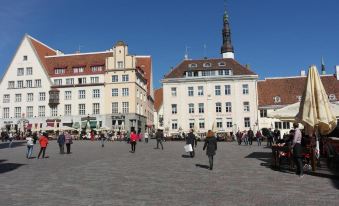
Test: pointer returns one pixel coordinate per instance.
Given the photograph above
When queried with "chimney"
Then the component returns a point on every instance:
(303, 73)
(248, 66)
(337, 71)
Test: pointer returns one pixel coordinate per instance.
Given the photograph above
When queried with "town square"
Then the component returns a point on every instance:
(169, 103)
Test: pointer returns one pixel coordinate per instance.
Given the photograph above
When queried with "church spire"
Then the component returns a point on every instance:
(323, 69)
(227, 50)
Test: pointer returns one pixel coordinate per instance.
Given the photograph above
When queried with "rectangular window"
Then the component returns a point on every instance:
(263, 113)
(191, 108)
(217, 90)
(96, 68)
(38, 83)
(82, 94)
(205, 73)
(20, 84)
(219, 123)
(190, 91)
(25, 58)
(286, 125)
(42, 96)
(229, 123)
(41, 111)
(57, 82)
(96, 108)
(174, 91)
(6, 98)
(78, 69)
(54, 111)
(218, 107)
(29, 97)
(115, 107)
(68, 109)
(82, 80)
(59, 71)
(247, 122)
(82, 109)
(125, 107)
(120, 64)
(228, 107)
(125, 92)
(96, 93)
(245, 88)
(94, 80)
(69, 81)
(29, 71)
(227, 89)
(189, 74)
(200, 91)
(174, 124)
(246, 106)
(220, 72)
(115, 92)
(191, 124)
(125, 78)
(68, 95)
(29, 83)
(201, 108)
(20, 72)
(277, 125)
(17, 112)
(115, 78)
(17, 97)
(5, 113)
(202, 123)
(174, 109)
(11, 84)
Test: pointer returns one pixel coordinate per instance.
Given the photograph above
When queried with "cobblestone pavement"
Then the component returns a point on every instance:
(92, 175)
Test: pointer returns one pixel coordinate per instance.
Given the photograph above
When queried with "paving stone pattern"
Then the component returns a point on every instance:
(92, 175)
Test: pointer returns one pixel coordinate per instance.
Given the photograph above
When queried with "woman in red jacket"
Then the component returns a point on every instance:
(43, 141)
(134, 139)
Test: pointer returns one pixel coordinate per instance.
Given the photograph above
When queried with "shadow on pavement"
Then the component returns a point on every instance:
(14, 144)
(186, 156)
(7, 167)
(202, 166)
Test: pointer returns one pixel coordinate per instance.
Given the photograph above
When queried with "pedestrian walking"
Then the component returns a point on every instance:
(146, 137)
(10, 138)
(297, 150)
(269, 138)
(259, 137)
(239, 137)
(30, 145)
(159, 135)
(211, 147)
(191, 139)
(68, 142)
(43, 141)
(133, 140)
(250, 135)
(102, 139)
(245, 137)
(61, 142)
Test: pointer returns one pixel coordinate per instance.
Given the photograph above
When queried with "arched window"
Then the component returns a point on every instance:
(207, 64)
(276, 99)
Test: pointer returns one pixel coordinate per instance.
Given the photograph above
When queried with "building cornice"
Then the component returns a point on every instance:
(214, 79)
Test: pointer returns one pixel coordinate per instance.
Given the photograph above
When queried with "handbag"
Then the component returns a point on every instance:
(188, 148)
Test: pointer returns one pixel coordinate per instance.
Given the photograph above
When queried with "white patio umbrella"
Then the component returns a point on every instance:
(66, 128)
(315, 111)
(214, 127)
(116, 126)
(88, 127)
(123, 126)
(55, 128)
(38, 127)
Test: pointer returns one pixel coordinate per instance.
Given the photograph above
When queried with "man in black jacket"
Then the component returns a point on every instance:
(159, 135)
(191, 139)
(250, 135)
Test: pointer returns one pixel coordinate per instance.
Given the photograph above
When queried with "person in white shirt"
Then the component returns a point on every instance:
(30, 144)
(297, 149)
(146, 137)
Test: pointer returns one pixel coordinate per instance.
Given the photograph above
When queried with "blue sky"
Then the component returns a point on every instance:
(277, 38)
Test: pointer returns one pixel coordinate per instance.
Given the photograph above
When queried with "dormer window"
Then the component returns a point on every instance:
(299, 98)
(193, 65)
(59, 71)
(78, 69)
(207, 64)
(276, 99)
(332, 97)
(222, 64)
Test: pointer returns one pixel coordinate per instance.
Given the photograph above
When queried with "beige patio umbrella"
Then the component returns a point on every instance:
(315, 110)
(55, 126)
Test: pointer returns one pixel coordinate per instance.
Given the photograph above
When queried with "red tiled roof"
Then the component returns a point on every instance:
(77, 60)
(236, 68)
(145, 63)
(289, 88)
(158, 98)
(42, 51)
